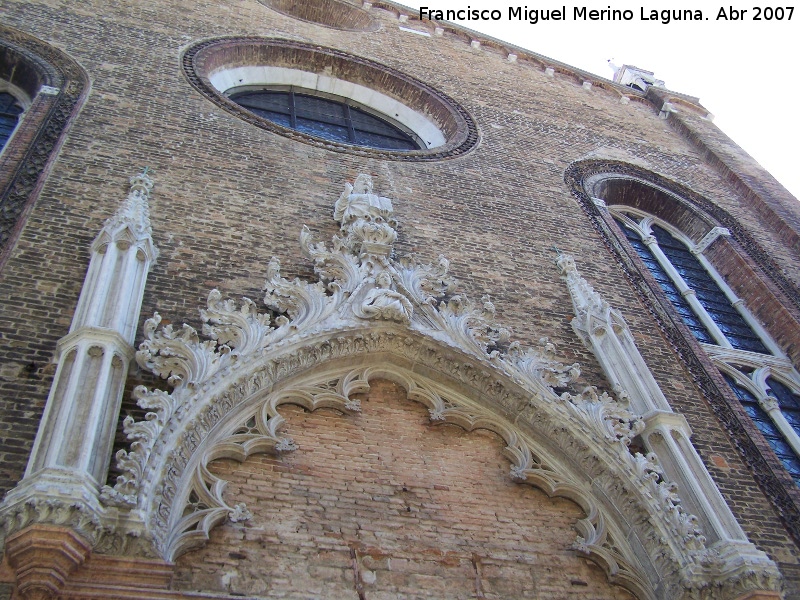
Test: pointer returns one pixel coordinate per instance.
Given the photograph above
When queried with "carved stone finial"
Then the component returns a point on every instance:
(134, 213)
(367, 220)
(141, 182)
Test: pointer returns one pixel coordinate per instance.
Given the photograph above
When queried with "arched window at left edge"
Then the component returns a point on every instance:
(13, 104)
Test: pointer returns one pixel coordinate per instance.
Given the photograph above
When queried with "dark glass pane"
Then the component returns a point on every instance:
(274, 102)
(770, 431)
(685, 311)
(279, 118)
(325, 118)
(379, 141)
(10, 110)
(710, 296)
(319, 109)
(787, 400)
(323, 130)
(372, 125)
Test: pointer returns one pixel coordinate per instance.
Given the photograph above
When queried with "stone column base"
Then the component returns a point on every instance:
(43, 557)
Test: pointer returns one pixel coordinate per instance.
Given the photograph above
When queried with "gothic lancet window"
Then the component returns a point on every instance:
(749, 359)
(776, 414)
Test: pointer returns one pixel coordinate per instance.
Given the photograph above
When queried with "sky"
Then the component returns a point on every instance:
(744, 71)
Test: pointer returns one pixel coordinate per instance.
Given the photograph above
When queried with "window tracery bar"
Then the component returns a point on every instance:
(767, 427)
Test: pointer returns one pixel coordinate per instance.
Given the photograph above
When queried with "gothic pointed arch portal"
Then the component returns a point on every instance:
(368, 316)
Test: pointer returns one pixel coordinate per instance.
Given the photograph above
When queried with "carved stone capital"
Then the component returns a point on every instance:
(659, 420)
(43, 557)
(768, 403)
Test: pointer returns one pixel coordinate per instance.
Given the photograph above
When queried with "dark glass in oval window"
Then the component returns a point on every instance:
(325, 118)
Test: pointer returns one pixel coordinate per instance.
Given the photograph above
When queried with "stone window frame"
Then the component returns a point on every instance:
(757, 384)
(774, 289)
(725, 357)
(643, 228)
(380, 105)
(274, 61)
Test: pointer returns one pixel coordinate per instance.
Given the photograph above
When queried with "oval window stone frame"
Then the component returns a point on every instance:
(213, 66)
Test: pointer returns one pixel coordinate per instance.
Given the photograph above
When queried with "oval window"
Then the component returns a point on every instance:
(328, 98)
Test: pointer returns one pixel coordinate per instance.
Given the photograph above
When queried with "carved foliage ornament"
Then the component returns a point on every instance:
(365, 303)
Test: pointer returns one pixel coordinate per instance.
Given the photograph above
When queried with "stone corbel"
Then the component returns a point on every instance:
(709, 239)
(43, 557)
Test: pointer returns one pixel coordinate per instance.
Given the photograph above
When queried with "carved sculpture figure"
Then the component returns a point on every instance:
(383, 303)
(358, 202)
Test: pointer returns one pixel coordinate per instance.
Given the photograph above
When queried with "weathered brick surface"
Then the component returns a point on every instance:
(388, 505)
(229, 196)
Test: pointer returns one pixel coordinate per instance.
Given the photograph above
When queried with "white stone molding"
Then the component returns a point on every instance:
(709, 239)
(665, 433)
(604, 331)
(599, 203)
(370, 315)
(68, 461)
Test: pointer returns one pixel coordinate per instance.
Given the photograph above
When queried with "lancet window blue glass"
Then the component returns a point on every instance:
(325, 118)
(787, 400)
(711, 297)
(10, 110)
(688, 316)
(768, 429)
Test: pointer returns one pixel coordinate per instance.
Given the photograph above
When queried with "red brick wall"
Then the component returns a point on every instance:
(417, 510)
